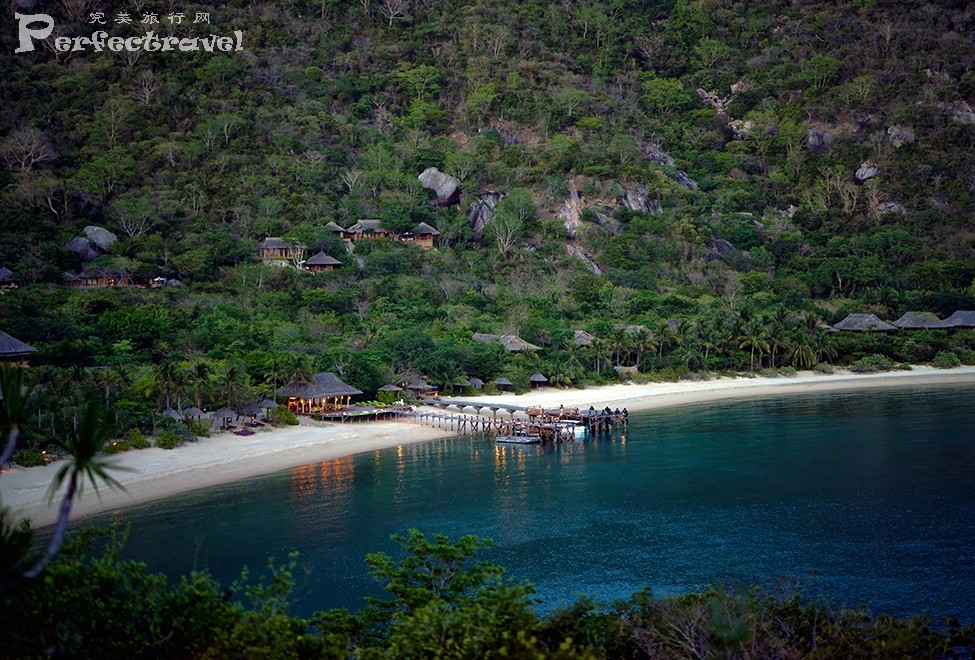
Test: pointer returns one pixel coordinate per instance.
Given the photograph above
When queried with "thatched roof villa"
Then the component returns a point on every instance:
(919, 321)
(511, 343)
(13, 351)
(960, 320)
(863, 323)
(325, 391)
(321, 262)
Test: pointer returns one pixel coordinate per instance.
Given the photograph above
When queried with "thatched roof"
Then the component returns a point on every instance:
(267, 404)
(423, 229)
(194, 412)
(364, 226)
(11, 347)
(583, 338)
(223, 414)
(502, 381)
(322, 259)
(169, 412)
(863, 323)
(474, 382)
(538, 378)
(919, 320)
(332, 227)
(252, 410)
(390, 388)
(420, 385)
(6, 275)
(322, 385)
(510, 342)
(960, 319)
(272, 242)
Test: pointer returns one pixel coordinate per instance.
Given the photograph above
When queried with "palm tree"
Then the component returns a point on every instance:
(166, 381)
(234, 376)
(13, 408)
(801, 353)
(300, 368)
(275, 370)
(84, 444)
(599, 351)
(642, 340)
(620, 342)
(663, 334)
(199, 375)
(754, 336)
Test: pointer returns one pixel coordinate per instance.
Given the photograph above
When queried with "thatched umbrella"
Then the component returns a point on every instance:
(169, 412)
(223, 416)
(193, 412)
(390, 388)
(502, 383)
(267, 404)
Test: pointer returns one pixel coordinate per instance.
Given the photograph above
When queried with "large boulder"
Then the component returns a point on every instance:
(892, 207)
(85, 250)
(960, 111)
(681, 177)
(636, 200)
(100, 237)
(447, 187)
(867, 170)
(578, 253)
(609, 223)
(899, 135)
(482, 210)
(819, 140)
(719, 248)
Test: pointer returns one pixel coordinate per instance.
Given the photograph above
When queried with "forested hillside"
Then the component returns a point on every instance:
(755, 170)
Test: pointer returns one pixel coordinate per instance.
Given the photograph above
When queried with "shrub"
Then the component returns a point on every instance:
(168, 440)
(823, 368)
(198, 427)
(871, 364)
(117, 446)
(788, 372)
(966, 355)
(136, 440)
(768, 372)
(283, 417)
(29, 458)
(945, 360)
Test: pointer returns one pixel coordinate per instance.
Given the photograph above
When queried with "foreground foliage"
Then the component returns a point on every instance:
(442, 603)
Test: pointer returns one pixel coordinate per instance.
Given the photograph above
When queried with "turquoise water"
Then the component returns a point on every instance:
(861, 498)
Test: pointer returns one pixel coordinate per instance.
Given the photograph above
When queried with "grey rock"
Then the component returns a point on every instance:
(173, 282)
(741, 128)
(447, 187)
(83, 248)
(719, 248)
(899, 135)
(819, 140)
(609, 223)
(100, 237)
(578, 253)
(657, 155)
(681, 177)
(571, 208)
(867, 170)
(960, 111)
(892, 207)
(740, 86)
(637, 200)
(482, 210)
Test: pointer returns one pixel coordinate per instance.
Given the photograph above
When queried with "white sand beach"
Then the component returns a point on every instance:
(155, 473)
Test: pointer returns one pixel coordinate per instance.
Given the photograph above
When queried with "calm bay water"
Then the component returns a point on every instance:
(861, 498)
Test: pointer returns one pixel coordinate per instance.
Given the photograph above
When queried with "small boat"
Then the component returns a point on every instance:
(519, 437)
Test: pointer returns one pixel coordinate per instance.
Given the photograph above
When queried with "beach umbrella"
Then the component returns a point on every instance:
(169, 412)
(252, 410)
(193, 412)
(267, 404)
(223, 415)
(503, 383)
(390, 388)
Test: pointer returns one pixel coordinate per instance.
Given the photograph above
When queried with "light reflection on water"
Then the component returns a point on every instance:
(865, 498)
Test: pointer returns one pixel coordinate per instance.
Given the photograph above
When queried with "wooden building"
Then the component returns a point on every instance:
(274, 251)
(13, 351)
(537, 381)
(321, 262)
(367, 229)
(512, 343)
(422, 235)
(919, 321)
(7, 279)
(97, 279)
(324, 393)
(960, 320)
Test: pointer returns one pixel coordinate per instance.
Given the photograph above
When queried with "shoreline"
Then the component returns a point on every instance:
(153, 474)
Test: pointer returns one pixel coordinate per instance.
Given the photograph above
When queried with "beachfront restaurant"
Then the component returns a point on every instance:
(324, 393)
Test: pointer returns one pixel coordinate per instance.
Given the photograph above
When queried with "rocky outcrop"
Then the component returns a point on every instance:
(482, 210)
(571, 210)
(100, 237)
(741, 128)
(719, 248)
(899, 135)
(637, 200)
(609, 223)
(657, 155)
(960, 111)
(447, 187)
(719, 104)
(892, 207)
(867, 170)
(578, 253)
(819, 140)
(681, 177)
(84, 248)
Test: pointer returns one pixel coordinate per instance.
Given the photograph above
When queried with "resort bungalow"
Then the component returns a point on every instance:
(367, 229)
(863, 323)
(634, 329)
(422, 235)
(503, 384)
(13, 351)
(7, 279)
(960, 320)
(583, 338)
(321, 262)
(537, 381)
(421, 388)
(335, 229)
(511, 343)
(96, 279)
(919, 321)
(273, 251)
(325, 392)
